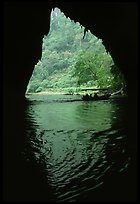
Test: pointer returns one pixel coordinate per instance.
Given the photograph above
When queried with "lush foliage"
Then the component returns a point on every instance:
(70, 59)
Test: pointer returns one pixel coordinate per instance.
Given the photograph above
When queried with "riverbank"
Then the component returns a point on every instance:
(46, 93)
(66, 91)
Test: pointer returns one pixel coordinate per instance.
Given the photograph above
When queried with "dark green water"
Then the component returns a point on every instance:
(81, 148)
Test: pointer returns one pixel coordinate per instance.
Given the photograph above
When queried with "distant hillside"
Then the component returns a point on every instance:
(68, 55)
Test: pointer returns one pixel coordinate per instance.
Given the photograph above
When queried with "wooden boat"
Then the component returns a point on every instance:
(116, 95)
(95, 97)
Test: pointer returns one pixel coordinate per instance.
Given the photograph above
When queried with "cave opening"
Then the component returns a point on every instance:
(61, 151)
(73, 59)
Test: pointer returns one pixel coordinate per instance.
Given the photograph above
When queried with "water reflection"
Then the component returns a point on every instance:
(78, 147)
(97, 115)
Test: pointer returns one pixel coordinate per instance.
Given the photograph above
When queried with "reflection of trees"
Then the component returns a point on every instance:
(87, 157)
(96, 115)
(117, 150)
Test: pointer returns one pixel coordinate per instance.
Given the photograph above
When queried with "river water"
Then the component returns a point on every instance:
(81, 148)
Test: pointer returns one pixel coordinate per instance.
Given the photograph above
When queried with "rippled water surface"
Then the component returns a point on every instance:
(81, 146)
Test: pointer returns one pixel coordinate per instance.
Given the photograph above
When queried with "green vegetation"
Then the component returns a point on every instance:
(71, 61)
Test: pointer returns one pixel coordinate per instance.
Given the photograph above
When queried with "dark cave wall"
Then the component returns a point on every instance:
(24, 27)
(26, 23)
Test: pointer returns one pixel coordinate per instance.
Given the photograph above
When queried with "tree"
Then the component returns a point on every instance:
(94, 67)
(118, 79)
(68, 59)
